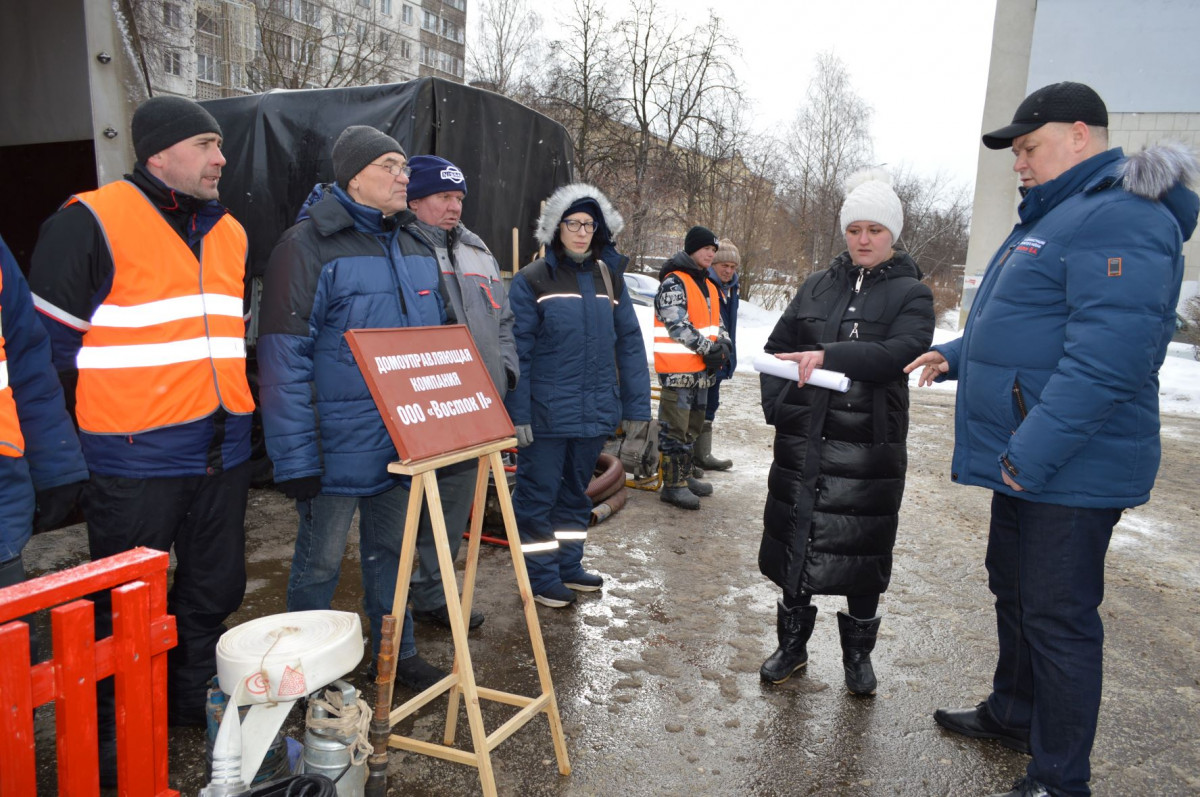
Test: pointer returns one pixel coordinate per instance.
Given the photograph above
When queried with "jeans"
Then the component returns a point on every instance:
(1045, 566)
(321, 544)
(456, 485)
(552, 507)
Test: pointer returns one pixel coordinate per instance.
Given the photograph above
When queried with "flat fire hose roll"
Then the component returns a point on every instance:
(610, 506)
(270, 662)
(609, 477)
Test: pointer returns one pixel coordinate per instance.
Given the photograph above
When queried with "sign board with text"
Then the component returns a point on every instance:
(431, 387)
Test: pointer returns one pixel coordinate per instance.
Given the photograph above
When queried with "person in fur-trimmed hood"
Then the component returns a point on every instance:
(583, 372)
(1057, 409)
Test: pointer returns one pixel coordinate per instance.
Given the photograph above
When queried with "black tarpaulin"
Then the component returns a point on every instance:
(277, 148)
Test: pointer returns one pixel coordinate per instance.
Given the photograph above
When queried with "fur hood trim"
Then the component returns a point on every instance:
(1154, 171)
(562, 199)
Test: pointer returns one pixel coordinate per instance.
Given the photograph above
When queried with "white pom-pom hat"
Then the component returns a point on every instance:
(869, 197)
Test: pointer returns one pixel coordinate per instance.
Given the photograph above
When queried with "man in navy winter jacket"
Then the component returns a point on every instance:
(1057, 410)
(346, 264)
(40, 461)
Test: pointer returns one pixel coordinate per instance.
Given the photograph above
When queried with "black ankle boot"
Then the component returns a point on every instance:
(794, 627)
(858, 640)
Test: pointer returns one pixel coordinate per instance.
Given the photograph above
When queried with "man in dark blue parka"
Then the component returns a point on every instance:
(41, 464)
(345, 265)
(1057, 410)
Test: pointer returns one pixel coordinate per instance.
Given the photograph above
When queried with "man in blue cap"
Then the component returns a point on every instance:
(1057, 410)
(473, 293)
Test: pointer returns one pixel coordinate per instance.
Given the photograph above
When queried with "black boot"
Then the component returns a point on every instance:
(675, 484)
(794, 627)
(704, 454)
(858, 640)
(696, 486)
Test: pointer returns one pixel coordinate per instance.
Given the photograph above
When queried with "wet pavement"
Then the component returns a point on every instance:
(657, 675)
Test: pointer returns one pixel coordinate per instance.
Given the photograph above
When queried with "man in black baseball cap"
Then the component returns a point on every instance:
(1057, 411)
(1059, 102)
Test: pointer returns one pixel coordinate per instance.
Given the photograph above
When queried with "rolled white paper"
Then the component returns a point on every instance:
(786, 369)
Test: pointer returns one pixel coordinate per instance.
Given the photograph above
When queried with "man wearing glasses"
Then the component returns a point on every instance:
(345, 265)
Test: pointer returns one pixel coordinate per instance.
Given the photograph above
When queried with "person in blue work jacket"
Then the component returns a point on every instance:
(346, 264)
(41, 465)
(583, 372)
(722, 272)
(1057, 410)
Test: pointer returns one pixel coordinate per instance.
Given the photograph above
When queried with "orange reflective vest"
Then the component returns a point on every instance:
(12, 442)
(672, 357)
(167, 345)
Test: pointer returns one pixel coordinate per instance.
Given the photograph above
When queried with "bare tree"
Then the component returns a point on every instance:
(505, 46)
(937, 218)
(829, 140)
(582, 90)
(673, 76)
(746, 209)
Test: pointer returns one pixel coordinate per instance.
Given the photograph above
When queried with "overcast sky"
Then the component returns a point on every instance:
(921, 64)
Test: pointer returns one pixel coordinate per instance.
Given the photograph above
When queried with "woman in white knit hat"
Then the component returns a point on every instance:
(837, 479)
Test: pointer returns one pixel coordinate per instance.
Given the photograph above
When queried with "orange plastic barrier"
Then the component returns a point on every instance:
(143, 632)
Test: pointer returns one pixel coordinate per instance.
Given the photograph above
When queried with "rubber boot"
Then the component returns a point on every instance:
(675, 486)
(703, 451)
(794, 627)
(858, 640)
(697, 487)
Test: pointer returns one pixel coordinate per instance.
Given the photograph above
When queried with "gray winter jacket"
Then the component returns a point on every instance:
(474, 295)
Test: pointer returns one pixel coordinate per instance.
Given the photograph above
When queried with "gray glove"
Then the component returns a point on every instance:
(635, 430)
(524, 435)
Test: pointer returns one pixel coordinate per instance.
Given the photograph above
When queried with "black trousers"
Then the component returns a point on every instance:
(203, 519)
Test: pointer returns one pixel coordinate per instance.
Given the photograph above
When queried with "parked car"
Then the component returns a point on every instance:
(642, 288)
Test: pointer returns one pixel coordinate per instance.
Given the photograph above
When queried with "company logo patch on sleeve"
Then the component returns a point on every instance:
(1031, 246)
(1114, 267)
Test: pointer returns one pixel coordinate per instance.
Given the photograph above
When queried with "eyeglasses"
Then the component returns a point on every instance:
(574, 224)
(395, 168)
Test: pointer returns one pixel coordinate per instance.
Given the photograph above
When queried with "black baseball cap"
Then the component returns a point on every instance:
(1059, 102)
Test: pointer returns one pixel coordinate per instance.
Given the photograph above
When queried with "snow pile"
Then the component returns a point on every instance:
(1179, 379)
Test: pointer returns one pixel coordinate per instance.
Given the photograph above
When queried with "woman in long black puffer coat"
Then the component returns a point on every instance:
(837, 479)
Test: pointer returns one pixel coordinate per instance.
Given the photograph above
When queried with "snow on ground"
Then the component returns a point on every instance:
(1179, 379)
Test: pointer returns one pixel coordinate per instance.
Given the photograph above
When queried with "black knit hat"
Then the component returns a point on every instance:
(357, 146)
(699, 237)
(1059, 102)
(161, 122)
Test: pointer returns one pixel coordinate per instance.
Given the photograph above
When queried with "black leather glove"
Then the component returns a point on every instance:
(718, 354)
(55, 504)
(305, 488)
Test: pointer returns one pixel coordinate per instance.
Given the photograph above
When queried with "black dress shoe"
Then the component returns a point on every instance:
(978, 723)
(417, 674)
(1026, 787)
(440, 616)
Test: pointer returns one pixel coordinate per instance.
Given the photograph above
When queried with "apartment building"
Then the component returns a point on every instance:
(208, 49)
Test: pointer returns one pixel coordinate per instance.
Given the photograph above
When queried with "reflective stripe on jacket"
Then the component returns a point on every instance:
(672, 357)
(12, 442)
(167, 345)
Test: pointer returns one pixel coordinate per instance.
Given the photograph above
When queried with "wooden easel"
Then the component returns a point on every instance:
(461, 680)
